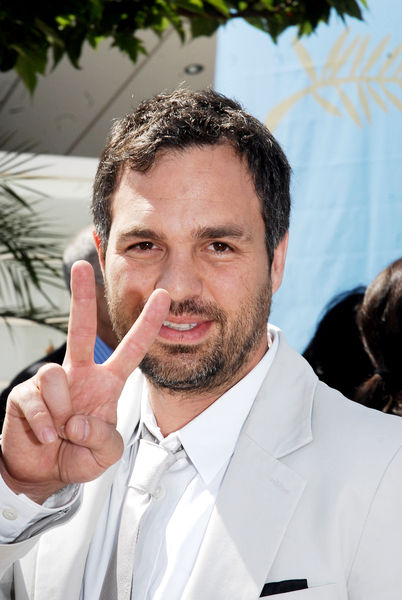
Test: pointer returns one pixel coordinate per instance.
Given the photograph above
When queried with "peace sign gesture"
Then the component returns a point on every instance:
(60, 425)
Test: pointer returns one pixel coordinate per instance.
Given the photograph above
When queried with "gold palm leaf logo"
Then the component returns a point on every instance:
(375, 77)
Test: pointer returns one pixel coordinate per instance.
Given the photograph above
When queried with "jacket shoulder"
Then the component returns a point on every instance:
(363, 440)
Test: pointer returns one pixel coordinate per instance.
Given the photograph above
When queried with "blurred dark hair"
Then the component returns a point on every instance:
(82, 247)
(336, 352)
(184, 118)
(379, 319)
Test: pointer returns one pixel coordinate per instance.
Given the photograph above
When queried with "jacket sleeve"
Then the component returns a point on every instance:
(26, 540)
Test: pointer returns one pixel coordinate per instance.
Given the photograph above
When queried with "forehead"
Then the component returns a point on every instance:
(197, 183)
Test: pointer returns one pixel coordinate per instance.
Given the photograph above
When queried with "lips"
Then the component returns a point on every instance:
(185, 331)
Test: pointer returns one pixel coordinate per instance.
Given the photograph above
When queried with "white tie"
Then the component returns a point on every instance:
(151, 462)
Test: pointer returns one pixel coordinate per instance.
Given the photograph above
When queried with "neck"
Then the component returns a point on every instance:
(173, 409)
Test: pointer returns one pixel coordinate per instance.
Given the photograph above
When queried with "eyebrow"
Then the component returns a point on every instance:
(221, 231)
(141, 232)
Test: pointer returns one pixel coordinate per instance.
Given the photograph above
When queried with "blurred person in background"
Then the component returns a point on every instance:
(336, 352)
(379, 319)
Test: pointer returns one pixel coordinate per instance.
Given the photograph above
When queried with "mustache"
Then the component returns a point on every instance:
(200, 308)
(190, 306)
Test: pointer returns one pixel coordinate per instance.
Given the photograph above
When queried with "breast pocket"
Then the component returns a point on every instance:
(322, 592)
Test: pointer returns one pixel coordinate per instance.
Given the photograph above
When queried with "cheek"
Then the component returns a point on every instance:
(242, 282)
(127, 287)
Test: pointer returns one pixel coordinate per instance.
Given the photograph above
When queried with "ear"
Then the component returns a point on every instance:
(98, 245)
(278, 263)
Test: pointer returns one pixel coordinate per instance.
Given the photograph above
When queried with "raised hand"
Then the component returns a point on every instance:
(60, 426)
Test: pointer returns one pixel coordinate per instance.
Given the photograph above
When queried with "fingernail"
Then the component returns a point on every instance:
(80, 429)
(62, 432)
(49, 435)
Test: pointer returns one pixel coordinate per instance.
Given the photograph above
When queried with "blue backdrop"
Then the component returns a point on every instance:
(333, 100)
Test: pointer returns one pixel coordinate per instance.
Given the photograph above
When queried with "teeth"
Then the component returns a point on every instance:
(179, 326)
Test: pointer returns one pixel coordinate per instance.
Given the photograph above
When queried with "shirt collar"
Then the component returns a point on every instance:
(209, 439)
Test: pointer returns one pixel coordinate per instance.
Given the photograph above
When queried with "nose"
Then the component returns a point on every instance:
(180, 276)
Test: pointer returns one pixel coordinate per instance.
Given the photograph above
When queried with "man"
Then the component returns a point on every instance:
(270, 482)
(82, 246)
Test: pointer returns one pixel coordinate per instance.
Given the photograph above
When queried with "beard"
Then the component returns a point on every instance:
(216, 363)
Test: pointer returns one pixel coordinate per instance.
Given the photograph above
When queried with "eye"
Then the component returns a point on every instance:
(220, 247)
(143, 246)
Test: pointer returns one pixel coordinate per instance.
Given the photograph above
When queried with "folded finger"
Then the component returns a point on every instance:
(52, 383)
(26, 406)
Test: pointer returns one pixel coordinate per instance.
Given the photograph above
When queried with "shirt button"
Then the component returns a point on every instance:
(10, 514)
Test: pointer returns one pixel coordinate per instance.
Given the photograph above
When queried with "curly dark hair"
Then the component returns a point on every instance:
(379, 319)
(185, 118)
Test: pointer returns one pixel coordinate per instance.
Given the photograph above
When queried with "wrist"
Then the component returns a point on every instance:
(38, 492)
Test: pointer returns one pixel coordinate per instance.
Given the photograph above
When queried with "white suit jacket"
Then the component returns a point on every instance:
(313, 491)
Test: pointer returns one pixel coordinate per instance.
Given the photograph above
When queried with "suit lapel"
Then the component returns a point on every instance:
(259, 493)
(62, 579)
(246, 527)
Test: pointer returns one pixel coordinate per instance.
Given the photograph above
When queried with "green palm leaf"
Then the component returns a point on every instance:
(30, 253)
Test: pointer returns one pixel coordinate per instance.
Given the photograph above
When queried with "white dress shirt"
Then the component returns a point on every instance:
(175, 523)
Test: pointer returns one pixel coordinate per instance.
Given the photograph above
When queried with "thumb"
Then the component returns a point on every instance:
(101, 438)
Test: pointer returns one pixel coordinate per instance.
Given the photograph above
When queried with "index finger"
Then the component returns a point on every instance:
(82, 324)
(137, 341)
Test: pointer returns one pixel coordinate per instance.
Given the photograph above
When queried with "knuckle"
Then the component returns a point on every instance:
(48, 373)
(37, 414)
(137, 347)
(16, 393)
(21, 394)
